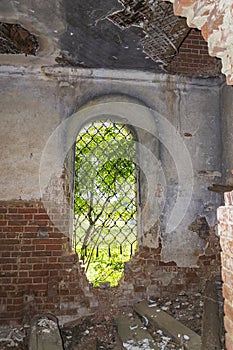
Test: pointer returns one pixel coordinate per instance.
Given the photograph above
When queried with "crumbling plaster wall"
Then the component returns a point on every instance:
(34, 107)
(43, 19)
(38, 272)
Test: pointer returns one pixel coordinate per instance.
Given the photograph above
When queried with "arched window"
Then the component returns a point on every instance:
(105, 200)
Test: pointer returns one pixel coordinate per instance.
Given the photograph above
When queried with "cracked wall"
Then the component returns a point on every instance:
(163, 32)
(38, 266)
(147, 31)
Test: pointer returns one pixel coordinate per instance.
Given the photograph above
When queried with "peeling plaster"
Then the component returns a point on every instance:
(162, 32)
(200, 226)
(41, 107)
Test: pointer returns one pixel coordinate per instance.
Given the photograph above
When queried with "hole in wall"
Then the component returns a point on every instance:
(105, 200)
(15, 39)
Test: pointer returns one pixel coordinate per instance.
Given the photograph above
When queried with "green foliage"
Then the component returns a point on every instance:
(104, 198)
(108, 268)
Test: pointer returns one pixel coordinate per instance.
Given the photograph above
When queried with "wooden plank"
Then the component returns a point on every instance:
(133, 334)
(168, 324)
(220, 188)
(212, 331)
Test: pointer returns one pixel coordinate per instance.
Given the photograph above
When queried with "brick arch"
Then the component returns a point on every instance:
(215, 20)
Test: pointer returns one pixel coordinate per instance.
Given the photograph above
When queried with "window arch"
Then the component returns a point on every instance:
(105, 199)
(146, 124)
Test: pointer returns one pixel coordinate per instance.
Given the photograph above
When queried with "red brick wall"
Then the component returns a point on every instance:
(193, 58)
(225, 217)
(148, 276)
(40, 273)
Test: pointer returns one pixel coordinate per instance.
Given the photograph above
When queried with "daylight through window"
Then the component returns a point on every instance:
(105, 205)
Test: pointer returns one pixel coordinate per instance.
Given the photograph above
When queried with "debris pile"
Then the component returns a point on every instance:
(12, 338)
(142, 330)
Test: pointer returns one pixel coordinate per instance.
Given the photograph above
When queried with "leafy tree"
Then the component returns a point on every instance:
(104, 196)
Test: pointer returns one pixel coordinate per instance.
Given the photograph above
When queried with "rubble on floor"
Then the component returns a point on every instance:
(12, 338)
(99, 332)
(134, 335)
(44, 333)
(161, 321)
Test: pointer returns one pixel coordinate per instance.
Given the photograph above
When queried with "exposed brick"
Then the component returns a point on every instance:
(43, 253)
(31, 229)
(227, 261)
(36, 260)
(223, 214)
(14, 217)
(37, 280)
(25, 267)
(23, 273)
(57, 253)
(193, 58)
(12, 210)
(7, 260)
(231, 215)
(21, 254)
(18, 255)
(41, 217)
(40, 247)
(227, 292)
(46, 269)
(27, 210)
(17, 223)
(3, 222)
(40, 273)
(53, 260)
(53, 266)
(229, 342)
(27, 248)
(14, 229)
(227, 277)
(38, 222)
(225, 230)
(226, 245)
(170, 263)
(53, 247)
(228, 325)
(228, 309)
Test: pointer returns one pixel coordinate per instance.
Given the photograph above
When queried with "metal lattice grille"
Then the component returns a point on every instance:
(105, 222)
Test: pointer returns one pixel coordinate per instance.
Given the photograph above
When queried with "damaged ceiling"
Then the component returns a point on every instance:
(127, 34)
(164, 32)
(122, 34)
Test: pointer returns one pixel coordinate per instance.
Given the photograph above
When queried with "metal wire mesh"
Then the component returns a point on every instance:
(105, 220)
(163, 31)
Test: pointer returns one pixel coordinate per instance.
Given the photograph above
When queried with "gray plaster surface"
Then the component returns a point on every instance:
(186, 147)
(77, 33)
(227, 133)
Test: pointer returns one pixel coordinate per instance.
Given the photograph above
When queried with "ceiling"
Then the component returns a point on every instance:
(129, 34)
